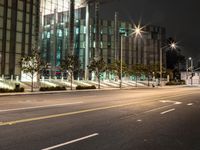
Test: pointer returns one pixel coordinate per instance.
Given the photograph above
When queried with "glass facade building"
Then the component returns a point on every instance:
(46, 23)
(55, 37)
(18, 32)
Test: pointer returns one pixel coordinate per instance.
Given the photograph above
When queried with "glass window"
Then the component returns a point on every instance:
(8, 23)
(27, 7)
(19, 16)
(26, 49)
(27, 28)
(27, 38)
(8, 35)
(9, 13)
(1, 1)
(7, 68)
(9, 3)
(0, 45)
(19, 37)
(17, 67)
(1, 23)
(19, 26)
(18, 48)
(27, 18)
(20, 5)
(1, 11)
(7, 57)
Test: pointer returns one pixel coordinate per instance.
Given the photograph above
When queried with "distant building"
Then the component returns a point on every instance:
(191, 78)
(19, 24)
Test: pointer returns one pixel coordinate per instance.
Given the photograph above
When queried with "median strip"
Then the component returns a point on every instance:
(72, 141)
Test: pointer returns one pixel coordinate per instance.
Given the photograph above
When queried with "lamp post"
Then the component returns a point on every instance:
(121, 51)
(191, 68)
(172, 46)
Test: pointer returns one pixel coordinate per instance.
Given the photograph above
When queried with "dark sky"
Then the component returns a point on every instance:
(181, 18)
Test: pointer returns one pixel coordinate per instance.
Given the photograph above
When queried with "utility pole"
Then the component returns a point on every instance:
(161, 64)
(121, 56)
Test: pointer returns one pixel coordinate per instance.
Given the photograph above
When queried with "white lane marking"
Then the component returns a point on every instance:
(168, 101)
(155, 109)
(36, 107)
(139, 120)
(72, 141)
(164, 112)
(190, 104)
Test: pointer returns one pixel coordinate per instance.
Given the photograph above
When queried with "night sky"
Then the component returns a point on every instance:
(181, 18)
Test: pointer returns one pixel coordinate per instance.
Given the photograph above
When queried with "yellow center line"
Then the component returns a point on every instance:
(78, 112)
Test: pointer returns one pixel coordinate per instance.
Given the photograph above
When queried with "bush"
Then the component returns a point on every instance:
(57, 88)
(181, 82)
(11, 91)
(79, 87)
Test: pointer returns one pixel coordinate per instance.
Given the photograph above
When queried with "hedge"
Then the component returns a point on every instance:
(57, 88)
(11, 91)
(181, 82)
(79, 87)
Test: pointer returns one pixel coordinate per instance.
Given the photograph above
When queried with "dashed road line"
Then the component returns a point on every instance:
(190, 104)
(164, 112)
(72, 141)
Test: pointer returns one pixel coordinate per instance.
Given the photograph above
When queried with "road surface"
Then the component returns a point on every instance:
(142, 119)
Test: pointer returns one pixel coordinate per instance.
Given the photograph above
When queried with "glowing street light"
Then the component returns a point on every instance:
(137, 30)
(173, 46)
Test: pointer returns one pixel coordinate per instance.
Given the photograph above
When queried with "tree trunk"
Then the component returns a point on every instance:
(99, 86)
(148, 80)
(32, 76)
(136, 81)
(71, 79)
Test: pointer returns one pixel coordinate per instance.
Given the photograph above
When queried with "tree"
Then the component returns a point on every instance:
(115, 68)
(137, 70)
(98, 66)
(32, 65)
(71, 65)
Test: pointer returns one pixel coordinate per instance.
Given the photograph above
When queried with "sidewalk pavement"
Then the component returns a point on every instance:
(36, 92)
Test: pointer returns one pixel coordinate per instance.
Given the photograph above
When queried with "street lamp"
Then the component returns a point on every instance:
(173, 46)
(191, 68)
(137, 31)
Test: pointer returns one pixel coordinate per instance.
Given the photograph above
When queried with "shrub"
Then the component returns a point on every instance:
(11, 91)
(79, 87)
(52, 88)
(181, 82)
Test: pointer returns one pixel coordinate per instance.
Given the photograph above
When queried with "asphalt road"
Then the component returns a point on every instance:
(142, 119)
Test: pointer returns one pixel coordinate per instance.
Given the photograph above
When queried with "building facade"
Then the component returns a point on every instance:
(135, 50)
(45, 23)
(19, 26)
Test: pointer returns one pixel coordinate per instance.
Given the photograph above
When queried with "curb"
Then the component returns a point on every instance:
(53, 92)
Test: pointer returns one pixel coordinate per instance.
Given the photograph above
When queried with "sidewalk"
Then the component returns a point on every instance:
(89, 90)
(53, 92)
